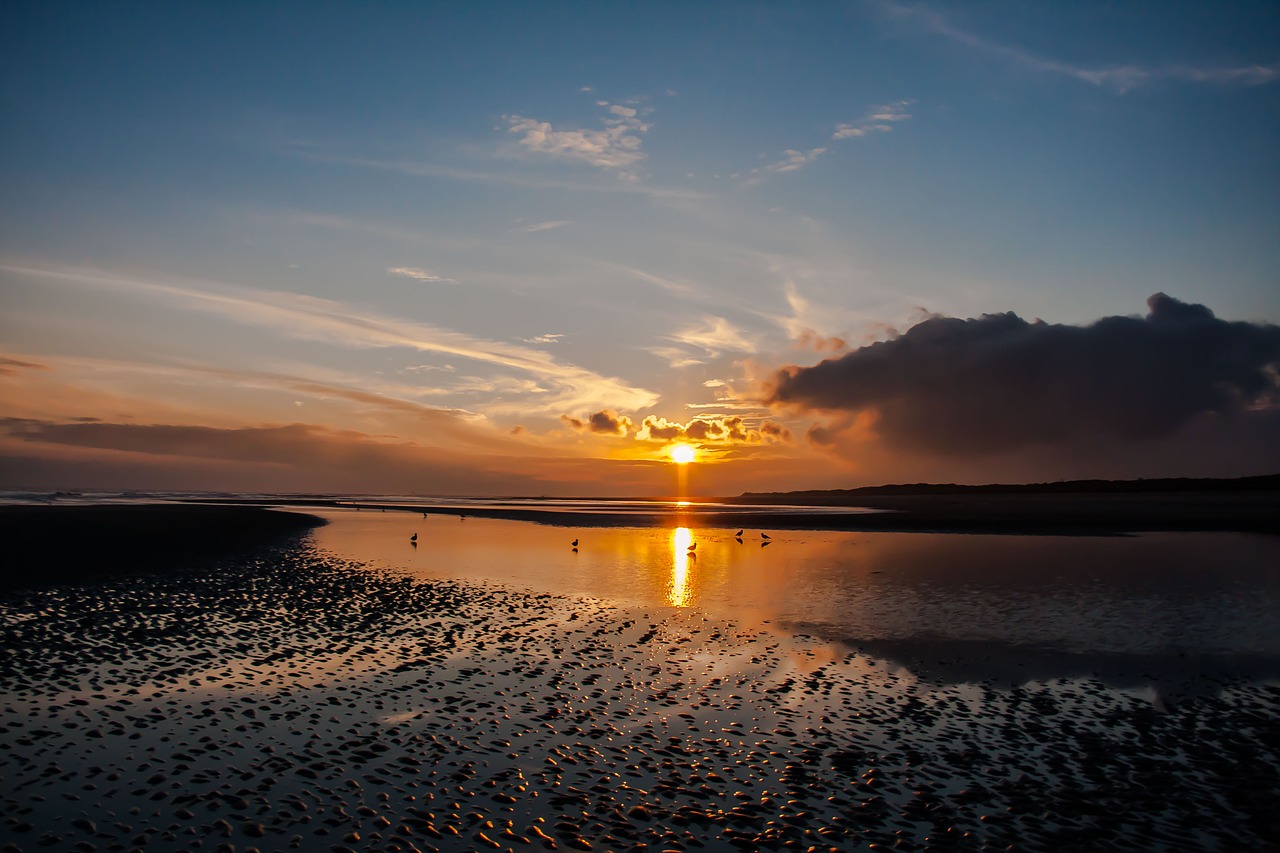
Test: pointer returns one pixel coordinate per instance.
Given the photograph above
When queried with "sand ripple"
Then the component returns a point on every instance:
(296, 701)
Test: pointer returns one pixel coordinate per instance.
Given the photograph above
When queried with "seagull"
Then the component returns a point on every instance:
(737, 535)
(764, 535)
(413, 538)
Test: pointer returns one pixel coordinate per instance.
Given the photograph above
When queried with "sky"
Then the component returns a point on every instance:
(512, 248)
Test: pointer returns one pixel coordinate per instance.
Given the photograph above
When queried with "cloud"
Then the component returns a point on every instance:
(715, 335)
(794, 160)
(809, 339)
(544, 226)
(418, 274)
(10, 366)
(543, 339)
(603, 422)
(316, 319)
(998, 382)
(675, 357)
(711, 430)
(616, 147)
(878, 120)
(269, 458)
(514, 179)
(1121, 77)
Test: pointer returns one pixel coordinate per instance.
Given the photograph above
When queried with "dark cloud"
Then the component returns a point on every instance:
(603, 422)
(999, 382)
(608, 422)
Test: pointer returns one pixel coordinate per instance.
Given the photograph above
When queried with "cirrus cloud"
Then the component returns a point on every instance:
(418, 274)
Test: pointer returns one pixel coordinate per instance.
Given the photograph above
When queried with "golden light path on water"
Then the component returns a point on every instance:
(678, 594)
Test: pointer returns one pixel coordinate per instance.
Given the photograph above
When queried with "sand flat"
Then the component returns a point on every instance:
(297, 699)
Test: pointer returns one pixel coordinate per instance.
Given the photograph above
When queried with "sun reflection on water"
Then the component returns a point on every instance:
(678, 594)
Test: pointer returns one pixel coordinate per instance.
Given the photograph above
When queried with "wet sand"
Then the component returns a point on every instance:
(52, 544)
(294, 699)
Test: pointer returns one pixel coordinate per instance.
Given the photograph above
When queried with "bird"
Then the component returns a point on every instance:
(424, 515)
(413, 538)
(737, 535)
(764, 535)
(693, 547)
(574, 543)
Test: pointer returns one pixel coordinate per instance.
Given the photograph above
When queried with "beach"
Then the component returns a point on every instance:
(315, 692)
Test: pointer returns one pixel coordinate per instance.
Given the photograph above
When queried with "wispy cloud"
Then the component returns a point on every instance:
(523, 181)
(676, 288)
(1121, 77)
(794, 160)
(675, 357)
(419, 274)
(543, 339)
(615, 147)
(10, 366)
(544, 226)
(715, 335)
(879, 120)
(563, 386)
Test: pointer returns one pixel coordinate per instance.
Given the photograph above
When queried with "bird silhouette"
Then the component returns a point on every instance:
(764, 535)
(413, 538)
(693, 547)
(738, 534)
(574, 543)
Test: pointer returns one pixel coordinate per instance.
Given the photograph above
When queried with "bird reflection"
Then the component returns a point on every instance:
(681, 540)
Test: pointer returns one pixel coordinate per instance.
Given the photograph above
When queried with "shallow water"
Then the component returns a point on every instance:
(1062, 606)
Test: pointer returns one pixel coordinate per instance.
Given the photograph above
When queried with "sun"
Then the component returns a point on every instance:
(682, 454)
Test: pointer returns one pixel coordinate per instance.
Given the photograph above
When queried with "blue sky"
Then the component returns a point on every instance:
(525, 214)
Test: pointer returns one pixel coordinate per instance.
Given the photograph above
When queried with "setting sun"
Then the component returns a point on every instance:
(682, 454)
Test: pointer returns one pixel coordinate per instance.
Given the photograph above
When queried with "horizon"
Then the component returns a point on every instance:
(491, 250)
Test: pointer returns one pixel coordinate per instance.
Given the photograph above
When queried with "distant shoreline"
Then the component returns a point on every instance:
(1036, 514)
(1162, 486)
(1040, 515)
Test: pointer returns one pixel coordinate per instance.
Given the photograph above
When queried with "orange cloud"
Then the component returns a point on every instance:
(809, 339)
(724, 430)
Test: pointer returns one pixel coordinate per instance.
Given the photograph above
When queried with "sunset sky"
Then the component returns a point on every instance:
(524, 248)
